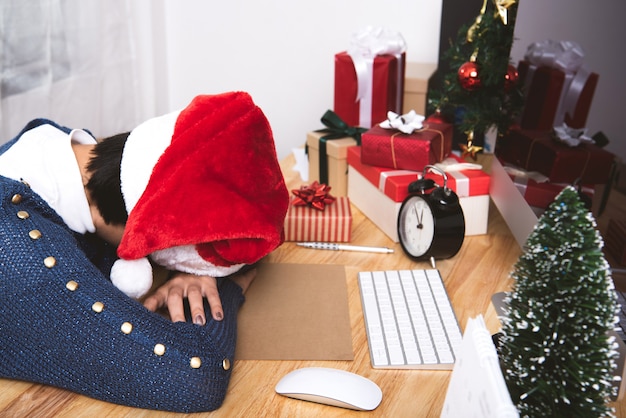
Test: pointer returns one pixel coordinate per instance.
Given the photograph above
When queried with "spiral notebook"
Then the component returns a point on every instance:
(477, 387)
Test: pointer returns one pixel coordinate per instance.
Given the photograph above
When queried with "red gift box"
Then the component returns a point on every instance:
(554, 97)
(378, 192)
(385, 89)
(541, 195)
(333, 224)
(395, 183)
(538, 151)
(394, 149)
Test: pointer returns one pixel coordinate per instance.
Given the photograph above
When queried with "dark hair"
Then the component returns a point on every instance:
(104, 183)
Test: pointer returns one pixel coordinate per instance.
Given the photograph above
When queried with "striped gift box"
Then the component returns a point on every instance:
(333, 224)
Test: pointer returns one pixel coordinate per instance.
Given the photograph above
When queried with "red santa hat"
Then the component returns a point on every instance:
(203, 190)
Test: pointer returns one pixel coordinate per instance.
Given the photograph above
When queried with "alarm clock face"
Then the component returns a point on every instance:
(416, 226)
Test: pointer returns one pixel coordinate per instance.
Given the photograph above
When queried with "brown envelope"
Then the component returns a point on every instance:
(296, 312)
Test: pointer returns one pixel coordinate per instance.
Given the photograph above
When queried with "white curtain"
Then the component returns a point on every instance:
(72, 61)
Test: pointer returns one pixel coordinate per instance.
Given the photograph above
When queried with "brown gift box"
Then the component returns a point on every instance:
(538, 151)
(615, 240)
(416, 80)
(336, 153)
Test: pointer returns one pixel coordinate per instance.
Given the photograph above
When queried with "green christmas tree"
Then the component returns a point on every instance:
(558, 359)
(483, 88)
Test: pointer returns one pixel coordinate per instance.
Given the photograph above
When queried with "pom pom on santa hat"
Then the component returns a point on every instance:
(203, 190)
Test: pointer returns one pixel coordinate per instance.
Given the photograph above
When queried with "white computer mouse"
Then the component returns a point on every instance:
(331, 387)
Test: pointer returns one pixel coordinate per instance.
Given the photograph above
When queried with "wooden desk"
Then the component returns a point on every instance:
(478, 271)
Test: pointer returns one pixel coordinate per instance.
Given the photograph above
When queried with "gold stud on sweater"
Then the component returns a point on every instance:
(50, 262)
(127, 328)
(159, 349)
(195, 362)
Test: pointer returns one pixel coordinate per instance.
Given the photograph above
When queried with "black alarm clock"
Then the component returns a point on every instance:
(431, 225)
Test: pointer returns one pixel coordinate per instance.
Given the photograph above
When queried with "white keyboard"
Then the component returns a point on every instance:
(409, 320)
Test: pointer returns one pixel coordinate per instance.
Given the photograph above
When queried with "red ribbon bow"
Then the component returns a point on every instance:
(316, 196)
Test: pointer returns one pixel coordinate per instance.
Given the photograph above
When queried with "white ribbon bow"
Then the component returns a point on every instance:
(406, 123)
(571, 136)
(366, 45)
(563, 55)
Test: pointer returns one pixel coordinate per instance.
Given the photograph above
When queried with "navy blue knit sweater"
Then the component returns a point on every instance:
(64, 324)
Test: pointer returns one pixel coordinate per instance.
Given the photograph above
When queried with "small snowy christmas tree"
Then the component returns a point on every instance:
(558, 359)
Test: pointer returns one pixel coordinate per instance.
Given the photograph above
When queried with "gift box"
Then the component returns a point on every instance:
(385, 86)
(615, 240)
(539, 151)
(369, 77)
(416, 77)
(378, 192)
(327, 149)
(336, 157)
(333, 224)
(540, 195)
(394, 149)
(519, 215)
(558, 88)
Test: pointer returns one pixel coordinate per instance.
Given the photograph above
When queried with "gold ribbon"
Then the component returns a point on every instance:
(426, 129)
(393, 150)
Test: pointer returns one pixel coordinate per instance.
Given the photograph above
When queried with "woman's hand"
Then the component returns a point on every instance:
(195, 289)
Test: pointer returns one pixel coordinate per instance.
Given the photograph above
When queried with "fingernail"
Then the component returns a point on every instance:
(219, 316)
(199, 320)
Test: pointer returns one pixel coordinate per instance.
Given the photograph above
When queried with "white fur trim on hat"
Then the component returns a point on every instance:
(144, 146)
(185, 258)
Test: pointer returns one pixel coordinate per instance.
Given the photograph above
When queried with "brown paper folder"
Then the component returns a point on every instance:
(296, 312)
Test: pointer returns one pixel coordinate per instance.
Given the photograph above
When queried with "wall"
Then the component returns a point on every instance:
(281, 51)
(600, 30)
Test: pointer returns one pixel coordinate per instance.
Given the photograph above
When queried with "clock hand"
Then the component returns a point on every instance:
(420, 224)
(419, 219)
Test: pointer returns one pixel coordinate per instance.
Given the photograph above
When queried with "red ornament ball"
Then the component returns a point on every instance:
(511, 77)
(436, 117)
(468, 76)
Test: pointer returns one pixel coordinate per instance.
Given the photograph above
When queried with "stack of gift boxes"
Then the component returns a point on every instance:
(551, 138)
(372, 164)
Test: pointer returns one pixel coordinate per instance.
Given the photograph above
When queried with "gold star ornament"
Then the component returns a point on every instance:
(470, 149)
(502, 7)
